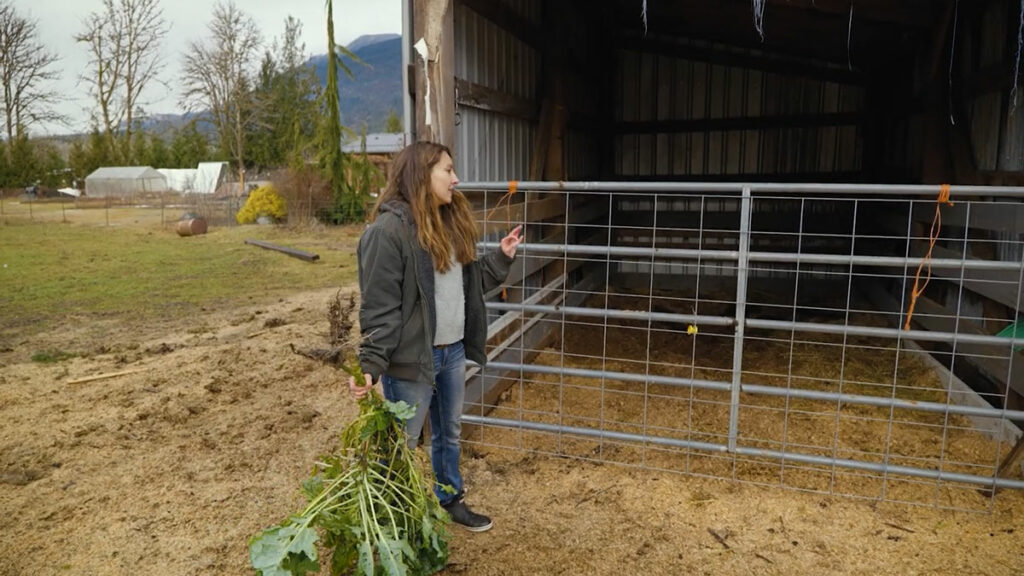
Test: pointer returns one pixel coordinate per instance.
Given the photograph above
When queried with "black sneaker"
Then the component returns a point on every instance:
(463, 516)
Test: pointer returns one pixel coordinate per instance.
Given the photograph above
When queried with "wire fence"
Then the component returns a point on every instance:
(849, 340)
(153, 208)
(163, 208)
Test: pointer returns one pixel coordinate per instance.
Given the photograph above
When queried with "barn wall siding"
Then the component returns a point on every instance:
(655, 87)
(490, 145)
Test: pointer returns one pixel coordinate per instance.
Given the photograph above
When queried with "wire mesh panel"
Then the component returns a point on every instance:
(805, 336)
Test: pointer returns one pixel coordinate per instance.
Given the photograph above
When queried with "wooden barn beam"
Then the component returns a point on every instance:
(745, 123)
(983, 216)
(498, 220)
(506, 18)
(992, 78)
(903, 13)
(930, 315)
(998, 285)
(802, 33)
(484, 98)
(852, 177)
(762, 62)
(434, 60)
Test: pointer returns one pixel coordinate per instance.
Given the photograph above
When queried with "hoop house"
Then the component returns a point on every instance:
(124, 181)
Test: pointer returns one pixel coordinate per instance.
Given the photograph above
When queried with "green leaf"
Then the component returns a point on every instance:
(343, 559)
(365, 559)
(284, 550)
(391, 556)
(312, 487)
(405, 549)
(343, 52)
(400, 409)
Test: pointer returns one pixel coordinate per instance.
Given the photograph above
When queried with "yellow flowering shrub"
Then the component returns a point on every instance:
(263, 201)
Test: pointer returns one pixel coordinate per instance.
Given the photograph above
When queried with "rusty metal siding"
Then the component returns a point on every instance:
(666, 88)
(489, 145)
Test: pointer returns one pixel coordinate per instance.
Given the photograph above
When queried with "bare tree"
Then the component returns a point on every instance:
(25, 68)
(124, 48)
(219, 76)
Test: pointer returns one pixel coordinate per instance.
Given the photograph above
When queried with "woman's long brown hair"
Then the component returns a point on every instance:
(440, 228)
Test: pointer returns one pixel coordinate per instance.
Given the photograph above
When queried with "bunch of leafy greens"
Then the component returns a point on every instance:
(372, 501)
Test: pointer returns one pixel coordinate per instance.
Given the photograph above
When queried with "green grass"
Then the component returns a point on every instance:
(52, 271)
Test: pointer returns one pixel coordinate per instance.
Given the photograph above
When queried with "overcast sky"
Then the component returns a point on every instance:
(59, 20)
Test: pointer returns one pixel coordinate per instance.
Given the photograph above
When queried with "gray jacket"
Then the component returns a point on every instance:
(397, 315)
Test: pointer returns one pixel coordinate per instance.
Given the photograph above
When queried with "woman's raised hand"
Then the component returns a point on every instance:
(512, 241)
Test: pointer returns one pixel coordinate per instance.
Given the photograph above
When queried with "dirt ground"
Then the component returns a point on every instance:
(169, 468)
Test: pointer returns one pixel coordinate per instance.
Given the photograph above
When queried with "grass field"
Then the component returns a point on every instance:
(50, 270)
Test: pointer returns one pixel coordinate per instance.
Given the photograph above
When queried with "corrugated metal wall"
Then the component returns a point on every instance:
(652, 87)
(997, 129)
(488, 145)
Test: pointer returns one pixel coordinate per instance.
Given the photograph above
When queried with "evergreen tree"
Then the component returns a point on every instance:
(97, 152)
(189, 147)
(349, 202)
(393, 124)
(24, 164)
(6, 180)
(76, 160)
(158, 155)
(287, 92)
(140, 148)
(51, 168)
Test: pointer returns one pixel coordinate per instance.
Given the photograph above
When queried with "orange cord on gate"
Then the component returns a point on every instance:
(513, 187)
(933, 236)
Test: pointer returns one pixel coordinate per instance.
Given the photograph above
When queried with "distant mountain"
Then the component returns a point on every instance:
(376, 85)
(367, 39)
(375, 90)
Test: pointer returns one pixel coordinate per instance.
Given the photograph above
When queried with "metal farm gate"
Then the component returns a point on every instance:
(809, 336)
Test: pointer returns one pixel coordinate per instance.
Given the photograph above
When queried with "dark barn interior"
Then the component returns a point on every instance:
(885, 91)
(750, 109)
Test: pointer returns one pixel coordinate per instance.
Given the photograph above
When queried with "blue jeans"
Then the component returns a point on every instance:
(444, 400)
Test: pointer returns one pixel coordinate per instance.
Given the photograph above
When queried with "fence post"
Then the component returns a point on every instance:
(742, 265)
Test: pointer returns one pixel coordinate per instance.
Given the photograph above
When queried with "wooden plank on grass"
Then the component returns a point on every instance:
(293, 252)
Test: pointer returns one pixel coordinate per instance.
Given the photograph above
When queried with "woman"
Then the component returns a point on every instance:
(422, 311)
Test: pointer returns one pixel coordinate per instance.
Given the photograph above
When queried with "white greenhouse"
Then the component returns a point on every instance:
(124, 181)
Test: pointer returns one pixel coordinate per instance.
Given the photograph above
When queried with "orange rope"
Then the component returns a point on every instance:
(933, 236)
(513, 187)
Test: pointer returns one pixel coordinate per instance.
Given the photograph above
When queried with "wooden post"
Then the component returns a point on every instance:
(434, 37)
